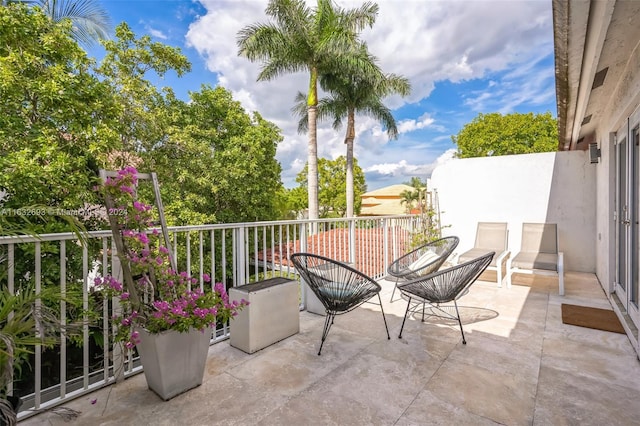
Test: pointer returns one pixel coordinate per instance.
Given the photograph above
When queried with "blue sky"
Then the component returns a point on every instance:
(462, 57)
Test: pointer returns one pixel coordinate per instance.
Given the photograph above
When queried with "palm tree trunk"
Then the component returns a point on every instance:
(351, 135)
(312, 147)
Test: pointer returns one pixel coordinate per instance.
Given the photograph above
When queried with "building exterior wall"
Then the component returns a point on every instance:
(554, 187)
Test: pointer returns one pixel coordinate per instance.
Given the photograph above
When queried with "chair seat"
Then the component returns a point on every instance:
(532, 260)
(339, 287)
(422, 261)
(475, 253)
(443, 286)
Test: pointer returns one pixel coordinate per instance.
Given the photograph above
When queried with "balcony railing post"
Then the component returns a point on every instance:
(385, 242)
(118, 353)
(239, 256)
(352, 241)
(303, 248)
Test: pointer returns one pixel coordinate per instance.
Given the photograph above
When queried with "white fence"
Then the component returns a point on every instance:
(234, 254)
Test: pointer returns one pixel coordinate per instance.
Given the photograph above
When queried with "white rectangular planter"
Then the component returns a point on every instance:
(174, 362)
(273, 313)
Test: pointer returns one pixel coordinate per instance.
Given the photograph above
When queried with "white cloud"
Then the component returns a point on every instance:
(426, 41)
(384, 174)
(156, 33)
(405, 126)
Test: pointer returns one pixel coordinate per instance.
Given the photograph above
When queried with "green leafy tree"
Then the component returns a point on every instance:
(331, 188)
(351, 93)
(218, 163)
(313, 40)
(53, 115)
(144, 109)
(297, 200)
(496, 134)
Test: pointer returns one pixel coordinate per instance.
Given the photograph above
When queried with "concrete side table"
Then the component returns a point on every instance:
(273, 313)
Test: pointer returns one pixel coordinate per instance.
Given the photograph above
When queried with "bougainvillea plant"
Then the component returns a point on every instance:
(161, 298)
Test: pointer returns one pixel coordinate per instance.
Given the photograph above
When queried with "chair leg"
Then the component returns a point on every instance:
(405, 318)
(328, 322)
(383, 317)
(509, 272)
(394, 291)
(464, 342)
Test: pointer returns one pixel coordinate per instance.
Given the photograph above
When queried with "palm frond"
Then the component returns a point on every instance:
(359, 18)
(299, 109)
(279, 66)
(90, 20)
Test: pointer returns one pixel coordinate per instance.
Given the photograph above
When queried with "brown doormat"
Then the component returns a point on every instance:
(584, 316)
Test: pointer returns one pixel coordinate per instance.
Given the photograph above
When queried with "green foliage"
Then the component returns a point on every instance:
(497, 134)
(61, 120)
(331, 187)
(51, 114)
(144, 112)
(21, 314)
(218, 163)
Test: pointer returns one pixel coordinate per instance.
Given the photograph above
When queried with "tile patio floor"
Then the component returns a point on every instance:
(521, 366)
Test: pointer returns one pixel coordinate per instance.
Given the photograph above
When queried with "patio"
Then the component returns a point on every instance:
(521, 366)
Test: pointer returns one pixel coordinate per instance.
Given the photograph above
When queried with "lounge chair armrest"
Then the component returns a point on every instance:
(500, 258)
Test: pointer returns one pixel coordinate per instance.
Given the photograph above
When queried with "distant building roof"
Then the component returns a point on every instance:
(383, 208)
(371, 201)
(384, 201)
(388, 191)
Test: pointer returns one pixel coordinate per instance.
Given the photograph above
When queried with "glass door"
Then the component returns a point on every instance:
(627, 216)
(632, 293)
(622, 218)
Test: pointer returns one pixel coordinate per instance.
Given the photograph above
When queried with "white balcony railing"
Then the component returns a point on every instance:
(235, 254)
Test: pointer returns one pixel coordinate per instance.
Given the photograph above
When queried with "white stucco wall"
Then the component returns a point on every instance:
(554, 187)
(619, 109)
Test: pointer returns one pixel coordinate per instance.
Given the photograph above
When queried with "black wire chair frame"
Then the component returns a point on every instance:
(339, 287)
(444, 286)
(401, 268)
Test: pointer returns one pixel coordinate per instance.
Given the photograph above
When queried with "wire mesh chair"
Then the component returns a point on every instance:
(339, 287)
(422, 261)
(444, 286)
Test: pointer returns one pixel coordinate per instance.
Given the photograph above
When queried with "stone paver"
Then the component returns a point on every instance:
(521, 366)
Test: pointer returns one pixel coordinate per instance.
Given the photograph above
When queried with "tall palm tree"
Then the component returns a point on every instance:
(356, 92)
(90, 20)
(314, 40)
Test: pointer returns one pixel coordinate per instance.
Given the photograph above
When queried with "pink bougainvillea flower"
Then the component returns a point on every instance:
(167, 302)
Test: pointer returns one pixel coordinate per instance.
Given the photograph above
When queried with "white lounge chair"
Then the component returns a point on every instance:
(539, 253)
(490, 237)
